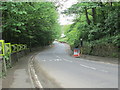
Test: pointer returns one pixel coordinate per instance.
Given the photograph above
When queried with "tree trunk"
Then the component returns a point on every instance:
(87, 18)
(102, 11)
(94, 15)
(110, 3)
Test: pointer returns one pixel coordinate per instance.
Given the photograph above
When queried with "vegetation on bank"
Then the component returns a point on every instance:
(97, 24)
(31, 23)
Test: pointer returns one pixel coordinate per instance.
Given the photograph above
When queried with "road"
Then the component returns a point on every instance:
(70, 72)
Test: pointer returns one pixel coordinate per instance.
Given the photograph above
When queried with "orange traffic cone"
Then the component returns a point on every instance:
(76, 53)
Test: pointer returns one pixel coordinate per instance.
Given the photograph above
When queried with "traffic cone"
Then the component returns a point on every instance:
(76, 53)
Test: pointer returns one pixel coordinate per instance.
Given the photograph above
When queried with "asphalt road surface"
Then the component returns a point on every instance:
(70, 72)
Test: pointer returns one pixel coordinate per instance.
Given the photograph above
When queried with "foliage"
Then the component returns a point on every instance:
(62, 40)
(96, 23)
(31, 23)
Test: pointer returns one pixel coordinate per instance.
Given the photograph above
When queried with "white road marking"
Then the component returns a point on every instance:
(60, 60)
(97, 62)
(29, 61)
(104, 71)
(65, 60)
(70, 61)
(93, 68)
(58, 57)
(31, 69)
(36, 78)
(88, 67)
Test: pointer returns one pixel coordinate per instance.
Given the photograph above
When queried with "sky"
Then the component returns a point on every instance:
(63, 19)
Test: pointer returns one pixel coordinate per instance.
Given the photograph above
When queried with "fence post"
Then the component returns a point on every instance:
(3, 56)
(8, 53)
(4, 65)
(6, 50)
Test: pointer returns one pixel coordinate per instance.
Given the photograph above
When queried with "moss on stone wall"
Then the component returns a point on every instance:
(105, 50)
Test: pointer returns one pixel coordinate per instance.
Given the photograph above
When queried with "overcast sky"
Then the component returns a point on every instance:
(63, 19)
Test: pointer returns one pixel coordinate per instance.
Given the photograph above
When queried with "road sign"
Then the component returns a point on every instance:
(24, 47)
(14, 48)
(7, 48)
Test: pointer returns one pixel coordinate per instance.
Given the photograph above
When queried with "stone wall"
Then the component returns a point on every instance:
(105, 50)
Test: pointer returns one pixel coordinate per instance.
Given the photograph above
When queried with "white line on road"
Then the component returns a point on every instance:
(70, 61)
(60, 60)
(93, 68)
(88, 67)
(63, 59)
(97, 61)
(32, 72)
(29, 72)
(58, 57)
(104, 71)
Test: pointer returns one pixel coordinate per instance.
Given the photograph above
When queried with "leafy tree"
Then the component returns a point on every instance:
(31, 23)
(96, 22)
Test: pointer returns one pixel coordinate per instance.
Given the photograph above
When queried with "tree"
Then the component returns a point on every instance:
(31, 23)
(97, 22)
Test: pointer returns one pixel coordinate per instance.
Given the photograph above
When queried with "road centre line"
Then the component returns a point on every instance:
(70, 61)
(88, 67)
(66, 60)
(44, 60)
(58, 56)
(93, 68)
(103, 70)
(85, 65)
(57, 59)
(97, 62)
(62, 58)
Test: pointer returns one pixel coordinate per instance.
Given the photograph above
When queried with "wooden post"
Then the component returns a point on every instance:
(4, 66)
(10, 60)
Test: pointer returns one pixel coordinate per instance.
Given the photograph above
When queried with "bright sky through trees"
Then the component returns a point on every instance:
(63, 19)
